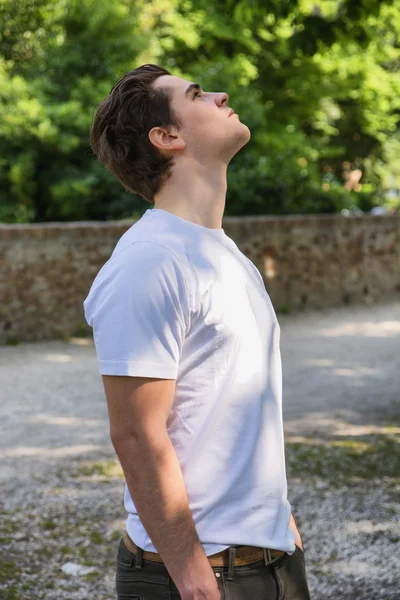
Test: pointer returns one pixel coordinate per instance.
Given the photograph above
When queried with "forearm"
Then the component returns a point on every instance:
(154, 478)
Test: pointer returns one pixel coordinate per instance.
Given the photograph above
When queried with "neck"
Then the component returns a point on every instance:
(196, 193)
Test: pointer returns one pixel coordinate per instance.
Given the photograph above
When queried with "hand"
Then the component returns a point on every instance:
(293, 525)
(203, 595)
(206, 589)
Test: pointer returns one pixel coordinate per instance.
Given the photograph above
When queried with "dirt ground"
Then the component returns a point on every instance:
(61, 488)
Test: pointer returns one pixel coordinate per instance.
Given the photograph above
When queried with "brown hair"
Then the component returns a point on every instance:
(119, 132)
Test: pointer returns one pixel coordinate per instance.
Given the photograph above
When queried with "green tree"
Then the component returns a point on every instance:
(316, 81)
(56, 63)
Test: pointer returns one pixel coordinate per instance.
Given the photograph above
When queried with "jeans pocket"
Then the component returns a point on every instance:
(142, 587)
(125, 558)
(151, 582)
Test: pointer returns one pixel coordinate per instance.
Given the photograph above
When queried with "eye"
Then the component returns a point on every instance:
(196, 94)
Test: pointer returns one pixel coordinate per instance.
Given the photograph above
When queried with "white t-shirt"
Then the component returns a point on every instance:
(177, 300)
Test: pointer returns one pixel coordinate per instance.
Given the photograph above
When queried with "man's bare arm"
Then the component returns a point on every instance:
(138, 410)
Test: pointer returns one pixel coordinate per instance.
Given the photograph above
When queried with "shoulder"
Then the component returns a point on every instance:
(145, 258)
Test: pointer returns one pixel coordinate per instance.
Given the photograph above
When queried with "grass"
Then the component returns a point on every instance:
(9, 575)
(342, 461)
(105, 470)
(96, 537)
(49, 524)
(7, 529)
(12, 341)
(32, 580)
(8, 570)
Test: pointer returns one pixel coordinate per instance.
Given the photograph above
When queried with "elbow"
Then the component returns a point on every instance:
(121, 438)
(131, 441)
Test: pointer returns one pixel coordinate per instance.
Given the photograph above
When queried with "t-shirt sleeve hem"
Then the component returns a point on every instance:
(137, 369)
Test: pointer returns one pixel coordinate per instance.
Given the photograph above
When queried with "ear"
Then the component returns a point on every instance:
(166, 140)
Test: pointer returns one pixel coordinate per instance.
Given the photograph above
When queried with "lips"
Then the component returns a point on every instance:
(231, 112)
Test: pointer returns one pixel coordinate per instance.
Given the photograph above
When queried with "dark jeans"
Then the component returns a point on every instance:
(284, 579)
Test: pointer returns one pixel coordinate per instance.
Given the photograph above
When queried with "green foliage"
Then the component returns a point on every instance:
(316, 81)
(49, 86)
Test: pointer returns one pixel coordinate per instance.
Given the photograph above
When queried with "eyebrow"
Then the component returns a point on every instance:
(192, 86)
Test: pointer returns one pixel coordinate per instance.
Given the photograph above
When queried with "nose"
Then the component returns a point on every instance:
(221, 98)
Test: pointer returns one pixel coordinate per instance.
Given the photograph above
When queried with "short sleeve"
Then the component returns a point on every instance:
(138, 308)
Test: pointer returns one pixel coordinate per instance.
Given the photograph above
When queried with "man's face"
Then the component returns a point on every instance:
(209, 130)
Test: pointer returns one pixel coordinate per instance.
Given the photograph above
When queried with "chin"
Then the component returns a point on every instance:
(245, 135)
(248, 133)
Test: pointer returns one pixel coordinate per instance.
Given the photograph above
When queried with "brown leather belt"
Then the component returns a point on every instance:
(244, 554)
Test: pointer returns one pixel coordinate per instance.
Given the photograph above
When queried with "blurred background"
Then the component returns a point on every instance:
(317, 83)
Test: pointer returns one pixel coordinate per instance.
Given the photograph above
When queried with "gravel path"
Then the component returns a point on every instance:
(61, 487)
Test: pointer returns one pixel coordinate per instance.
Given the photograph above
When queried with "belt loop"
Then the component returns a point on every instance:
(232, 555)
(139, 558)
(267, 556)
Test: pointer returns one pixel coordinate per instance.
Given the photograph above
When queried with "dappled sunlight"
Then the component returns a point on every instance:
(302, 439)
(57, 358)
(54, 420)
(315, 83)
(355, 430)
(354, 567)
(354, 372)
(99, 470)
(317, 422)
(315, 441)
(319, 362)
(49, 452)
(380, 329)
(367, 527)
(80, 341)
(66, 492)
(341, 371)
(74, 492)
(321, 424)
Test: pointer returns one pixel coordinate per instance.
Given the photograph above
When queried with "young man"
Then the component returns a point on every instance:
(187, 344)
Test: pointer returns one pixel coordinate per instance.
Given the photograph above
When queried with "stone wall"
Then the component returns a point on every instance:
(314, 261)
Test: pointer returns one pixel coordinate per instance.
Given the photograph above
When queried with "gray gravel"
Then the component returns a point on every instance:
(61, 489)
